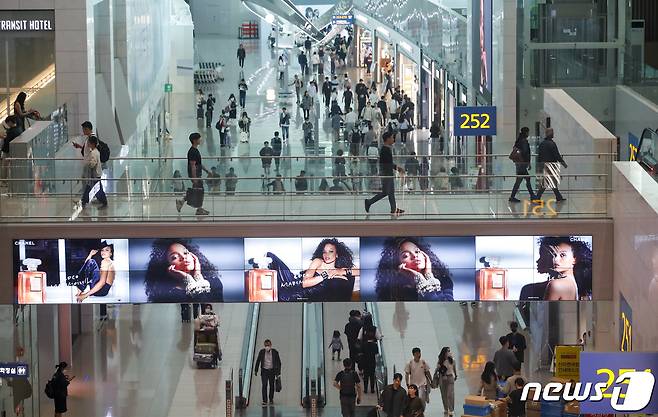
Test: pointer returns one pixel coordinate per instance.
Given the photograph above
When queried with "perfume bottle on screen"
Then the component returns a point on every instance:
(31, 283)
(491, 281)
(261, 284)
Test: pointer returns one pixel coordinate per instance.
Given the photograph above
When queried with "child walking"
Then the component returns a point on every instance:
(336, 345)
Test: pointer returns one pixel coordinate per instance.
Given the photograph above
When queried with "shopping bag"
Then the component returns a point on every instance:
(194, 197)
(277, 384)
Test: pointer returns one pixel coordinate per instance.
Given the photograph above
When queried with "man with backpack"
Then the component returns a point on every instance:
(348, 384)
(351, 331)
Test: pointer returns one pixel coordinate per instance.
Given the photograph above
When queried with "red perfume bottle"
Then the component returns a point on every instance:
(31, 283)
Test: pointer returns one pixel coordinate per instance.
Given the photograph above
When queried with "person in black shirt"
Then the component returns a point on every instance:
(386, 167)
(549, 156)
(194, 196)
(348, 384)
(242, 53)
(12, 133)
(269, 363)
(522, 166)
(516, 341)
(516, 406)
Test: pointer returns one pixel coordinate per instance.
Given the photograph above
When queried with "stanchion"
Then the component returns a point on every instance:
(314, 400)
(240, 400)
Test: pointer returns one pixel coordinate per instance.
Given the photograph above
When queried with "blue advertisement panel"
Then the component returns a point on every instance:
(628, 381)
(475, 121)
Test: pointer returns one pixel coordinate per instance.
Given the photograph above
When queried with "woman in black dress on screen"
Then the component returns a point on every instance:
(331, 274)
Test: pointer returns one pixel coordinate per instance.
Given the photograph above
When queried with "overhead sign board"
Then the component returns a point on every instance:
(342, 19)
(27, 20)
(475, 121)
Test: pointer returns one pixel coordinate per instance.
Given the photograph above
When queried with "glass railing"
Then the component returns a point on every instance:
(381, 370)
(313, 379)
(460, 189)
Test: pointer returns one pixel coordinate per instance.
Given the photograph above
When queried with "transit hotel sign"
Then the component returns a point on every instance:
(27, 20)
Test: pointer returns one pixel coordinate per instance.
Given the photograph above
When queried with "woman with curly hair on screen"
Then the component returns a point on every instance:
(179, 272)
(331, 274)
(410, 271)
(568, 263)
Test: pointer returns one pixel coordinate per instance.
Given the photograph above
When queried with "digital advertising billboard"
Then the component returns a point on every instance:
(297, 269)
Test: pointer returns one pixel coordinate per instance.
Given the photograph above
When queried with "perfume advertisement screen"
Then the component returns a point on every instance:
(317, 269)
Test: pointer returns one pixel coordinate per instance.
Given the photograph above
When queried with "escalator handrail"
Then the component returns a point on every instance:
(321, 371)
(304, 367)
(247, 359)
(381, 365)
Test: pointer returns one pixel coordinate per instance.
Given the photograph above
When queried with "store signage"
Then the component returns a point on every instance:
(27, 20)
(342, 19)
(628, 378)
(567, 362)
(14, 370)
(475, 121)
(329, 268)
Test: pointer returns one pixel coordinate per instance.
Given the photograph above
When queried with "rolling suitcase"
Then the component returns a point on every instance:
(199, 112)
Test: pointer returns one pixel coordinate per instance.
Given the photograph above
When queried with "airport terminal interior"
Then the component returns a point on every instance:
(283, 208)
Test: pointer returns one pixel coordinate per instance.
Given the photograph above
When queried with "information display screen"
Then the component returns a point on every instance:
(329, 268)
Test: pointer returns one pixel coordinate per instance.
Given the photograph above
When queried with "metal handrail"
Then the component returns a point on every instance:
(247, 359)
(381, 363)
(256, 157)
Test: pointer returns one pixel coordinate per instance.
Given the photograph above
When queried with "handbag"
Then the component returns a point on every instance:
(194, 197)
(277, 383)
(429, 379)
(436, 380)
(515, 155)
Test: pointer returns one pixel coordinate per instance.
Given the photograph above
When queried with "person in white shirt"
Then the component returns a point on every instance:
(92, 173)
(315, 61)
(415, 373)
(350, 119)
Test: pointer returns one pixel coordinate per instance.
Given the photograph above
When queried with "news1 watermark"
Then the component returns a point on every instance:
(14, 370)
(620, 382)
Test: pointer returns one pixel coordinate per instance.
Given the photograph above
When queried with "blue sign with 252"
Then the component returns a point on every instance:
(475, 121)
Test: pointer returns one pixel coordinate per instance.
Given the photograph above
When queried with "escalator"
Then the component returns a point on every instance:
(646, 153)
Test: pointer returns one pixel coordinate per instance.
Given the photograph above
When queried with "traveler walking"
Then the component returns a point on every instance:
(417, 372)
(245, 127)
(504, 359)
(298, 84)
(91, 174)
(307, 129)
(269, 363)
(350, 119)
(393, 400)
(222, 127)
(412, 168)
(517, 341)
(307, 103)
(489, 382)
(373, 156)
(436, 135)
(348, 384)
(347, 98)
(266, 154)
(386, 167)
(58, 387)
(276, 150)
(415, 403)
(210, 107)
(424, 179)
(336, 345)
(509, 383)
(369, 336)
(308, 45)
(194, 195)
(242, 53)
(303, 62)
(446, 370)
(521, 157)
(351, 331)
(383, 109)
(550, 158)
(326, 92)
(284, 124)
(315, 62)
(242, 89)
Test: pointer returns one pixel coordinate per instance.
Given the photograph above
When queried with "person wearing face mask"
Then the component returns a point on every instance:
(550, 159)
(269, 363)
(446, 370)
(517, 341)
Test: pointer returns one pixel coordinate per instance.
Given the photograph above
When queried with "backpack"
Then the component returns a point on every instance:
(348, 383)
(50, 389)
(104, 151)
